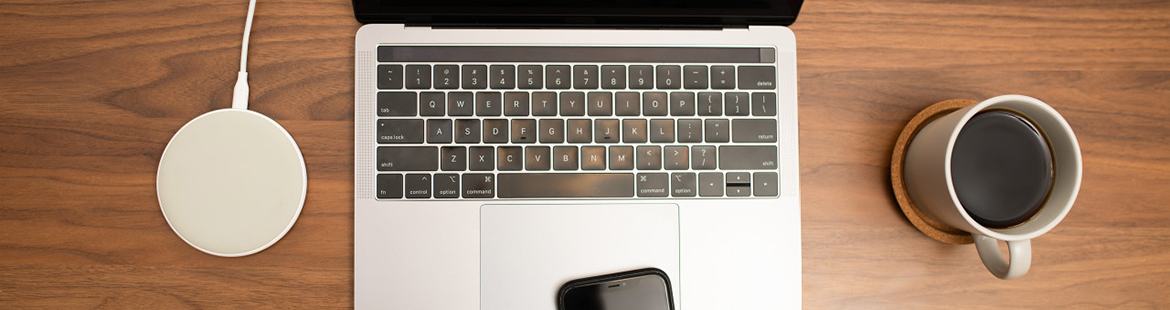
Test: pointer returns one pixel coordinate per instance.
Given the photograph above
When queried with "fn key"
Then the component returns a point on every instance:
(389, 186)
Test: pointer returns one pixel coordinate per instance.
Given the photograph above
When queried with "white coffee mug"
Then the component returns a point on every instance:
(929, 183)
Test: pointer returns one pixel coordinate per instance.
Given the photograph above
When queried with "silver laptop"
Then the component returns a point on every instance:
(503, 150)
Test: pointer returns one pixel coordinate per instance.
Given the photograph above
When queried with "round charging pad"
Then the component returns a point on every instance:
(231, 182)
(934, 229)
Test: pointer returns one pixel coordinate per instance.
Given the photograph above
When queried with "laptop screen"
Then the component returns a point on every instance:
(581, 13)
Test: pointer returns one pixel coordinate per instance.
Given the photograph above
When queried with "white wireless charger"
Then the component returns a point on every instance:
(232, 181)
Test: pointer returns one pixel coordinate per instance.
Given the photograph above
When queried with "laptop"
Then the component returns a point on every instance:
(505, 148)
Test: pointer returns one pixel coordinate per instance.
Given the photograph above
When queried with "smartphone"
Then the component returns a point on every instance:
(642, 289)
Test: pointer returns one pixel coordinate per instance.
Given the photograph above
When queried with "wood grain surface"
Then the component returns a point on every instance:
(91, 91)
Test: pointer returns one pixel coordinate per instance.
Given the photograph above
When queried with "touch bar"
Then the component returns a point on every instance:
(563, 54)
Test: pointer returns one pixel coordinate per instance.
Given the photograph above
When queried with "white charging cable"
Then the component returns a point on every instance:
(240, 96)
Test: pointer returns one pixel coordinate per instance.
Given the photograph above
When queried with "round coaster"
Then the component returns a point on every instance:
(934, 229)
(231, 182)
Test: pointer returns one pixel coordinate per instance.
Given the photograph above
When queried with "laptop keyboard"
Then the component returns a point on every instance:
(575, 130)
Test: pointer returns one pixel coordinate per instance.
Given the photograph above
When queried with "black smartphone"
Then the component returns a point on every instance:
(642, 289)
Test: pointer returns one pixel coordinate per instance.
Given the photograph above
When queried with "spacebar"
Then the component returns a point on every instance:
(562, 185)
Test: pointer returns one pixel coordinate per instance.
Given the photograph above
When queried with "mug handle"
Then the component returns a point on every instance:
(1020, 253)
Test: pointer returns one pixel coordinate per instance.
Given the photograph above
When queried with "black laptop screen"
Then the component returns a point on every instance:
(633, 13)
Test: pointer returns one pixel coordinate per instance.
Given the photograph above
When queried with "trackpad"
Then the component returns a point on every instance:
(528, 251)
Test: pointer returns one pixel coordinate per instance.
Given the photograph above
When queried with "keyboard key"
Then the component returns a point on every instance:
(418, 76)
(626, 104)
(460, 104)
(621, 158)
(524, 131)
(439, 131)
(573, 104)
(544, 104)
(710, 103)
(453, 158)
(613, 77)
(695, 77)
(753, 130)
(675, 158)
(557, 77)
(607, 131)
(408, 158)
(446, 76)
(477, 185)
(565, 158)
(418, 186)
(668, 76)
(682, 104)
(747, 157)
(446, 186)
(487, 104)
(516, 103)
(764, 104)
(400, 131)
(481, 158)
(509, 158)
(757, 77)
(715, 130)
(739, 184)
(600, 103)
(592, 158)
(654, 104)
(736, 104)
(682, 184)
(641, 77)
(537, 158)
(552, 131)
(742, 178)
(662, 130)
(389, 77)
(739, 190)
(432, 103)
(722, 77)
(530, 77)
(579, 130)
(397, 104)
(653, 185)
(566, 185)
(585, 77)
(690, 130)
(703, 157)
(634, 130)
(711, 184)
(467, 131)
(503, 76)
(495, 131)
(649, 158)
(764, 184)
(475, 77)
(389, 186)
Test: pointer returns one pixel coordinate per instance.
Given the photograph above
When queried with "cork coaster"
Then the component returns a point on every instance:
(934, 229)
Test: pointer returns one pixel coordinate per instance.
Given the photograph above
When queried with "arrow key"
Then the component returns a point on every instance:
(711, 184)
(765, 184)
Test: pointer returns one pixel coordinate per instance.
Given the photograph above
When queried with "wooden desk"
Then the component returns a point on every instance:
(90, 93)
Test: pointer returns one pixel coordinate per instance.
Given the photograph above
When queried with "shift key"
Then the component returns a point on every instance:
(747, 157)
(408, 158)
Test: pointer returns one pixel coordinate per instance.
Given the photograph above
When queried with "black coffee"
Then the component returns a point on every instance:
(1002, 168)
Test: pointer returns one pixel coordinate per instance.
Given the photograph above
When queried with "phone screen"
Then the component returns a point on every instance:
(645, 292)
